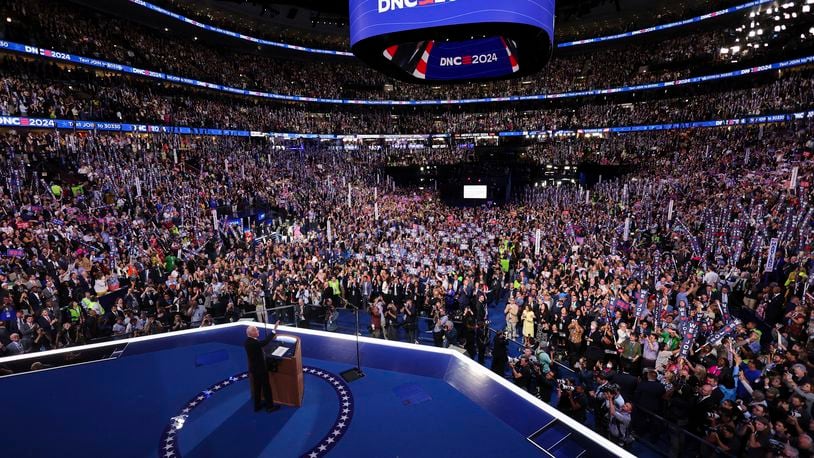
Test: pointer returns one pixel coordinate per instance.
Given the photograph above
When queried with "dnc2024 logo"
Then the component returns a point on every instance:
(392, 5)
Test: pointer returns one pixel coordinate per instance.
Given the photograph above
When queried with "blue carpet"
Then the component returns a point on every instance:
(450, 425)
(228, 426)
(122, 407)
(411, 394)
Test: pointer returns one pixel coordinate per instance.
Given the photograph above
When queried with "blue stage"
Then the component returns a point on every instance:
(186, 395)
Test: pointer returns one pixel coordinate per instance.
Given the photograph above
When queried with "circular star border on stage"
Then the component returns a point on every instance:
(168, 447)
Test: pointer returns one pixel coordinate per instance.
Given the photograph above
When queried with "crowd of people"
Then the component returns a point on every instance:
(677, 293)
(36, 88)
(126, 221)
(567, 28)
(92, 34)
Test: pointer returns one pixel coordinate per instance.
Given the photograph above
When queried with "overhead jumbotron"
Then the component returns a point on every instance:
(452, 40)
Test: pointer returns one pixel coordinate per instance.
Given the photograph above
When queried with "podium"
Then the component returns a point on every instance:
(287, 381)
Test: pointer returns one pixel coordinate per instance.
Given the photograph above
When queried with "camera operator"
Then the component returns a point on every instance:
(522, 373)
(602, 403)
(573, 401)
(619, 424)
(756, 434)
(724, 438)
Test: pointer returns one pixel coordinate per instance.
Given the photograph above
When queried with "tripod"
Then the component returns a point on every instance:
(354, 373)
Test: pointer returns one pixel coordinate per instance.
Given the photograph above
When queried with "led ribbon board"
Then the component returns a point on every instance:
(452, 40)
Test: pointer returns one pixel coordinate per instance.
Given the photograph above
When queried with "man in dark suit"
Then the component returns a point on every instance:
(647, 399)
(627, 384)
(257, 367)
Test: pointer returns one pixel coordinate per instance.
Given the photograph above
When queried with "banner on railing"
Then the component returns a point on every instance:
(81, 60)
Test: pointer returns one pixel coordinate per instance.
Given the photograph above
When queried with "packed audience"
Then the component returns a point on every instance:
(126, 221)
(42, 89)
(676, 295)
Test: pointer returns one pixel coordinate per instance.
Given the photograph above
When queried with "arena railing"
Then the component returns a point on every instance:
(662, 27)
(127, 69)
(102, 126)
(670, 438)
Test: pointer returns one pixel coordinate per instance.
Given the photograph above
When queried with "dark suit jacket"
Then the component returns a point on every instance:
(648, 395)
(627, 384)
(254, 353)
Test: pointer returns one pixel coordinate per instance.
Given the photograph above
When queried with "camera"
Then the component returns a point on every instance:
(776, 445)
(564, 384)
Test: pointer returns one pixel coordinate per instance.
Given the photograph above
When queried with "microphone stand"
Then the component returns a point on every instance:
(354, 373)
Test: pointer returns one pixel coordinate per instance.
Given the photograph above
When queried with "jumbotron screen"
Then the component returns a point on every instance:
(452, 40)
(475, 191)
(493, 57)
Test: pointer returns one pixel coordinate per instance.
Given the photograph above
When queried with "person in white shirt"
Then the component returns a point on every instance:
(711, 278)
(623, 333)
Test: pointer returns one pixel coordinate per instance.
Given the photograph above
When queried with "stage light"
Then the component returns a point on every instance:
(8, 19)
(806, 8)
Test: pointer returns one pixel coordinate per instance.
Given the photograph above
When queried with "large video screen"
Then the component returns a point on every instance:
(493, 57)
(370, 18)
(475, 191)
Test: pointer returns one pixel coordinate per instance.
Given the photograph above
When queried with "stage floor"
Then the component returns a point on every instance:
(113, 409)
(388, 415)
(188, 397)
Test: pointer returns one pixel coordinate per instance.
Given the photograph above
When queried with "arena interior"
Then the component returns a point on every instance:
(536, 229)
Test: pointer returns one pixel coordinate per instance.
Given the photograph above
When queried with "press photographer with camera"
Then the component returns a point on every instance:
(522, 373)
(573, 401)
(619, 421)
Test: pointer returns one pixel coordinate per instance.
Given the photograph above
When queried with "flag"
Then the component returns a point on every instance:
(725, 312)
(620, 304)
(691, 330)
(641, 304)
(725, 330)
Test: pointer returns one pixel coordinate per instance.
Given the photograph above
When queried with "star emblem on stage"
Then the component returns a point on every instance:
(169, 446)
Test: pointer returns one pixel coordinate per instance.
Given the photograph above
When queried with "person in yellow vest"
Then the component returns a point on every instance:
(89, 303)
(75, 312)
(336, 290)
(56, 190)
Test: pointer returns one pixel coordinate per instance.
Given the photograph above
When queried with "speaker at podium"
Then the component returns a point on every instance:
(284, 360)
